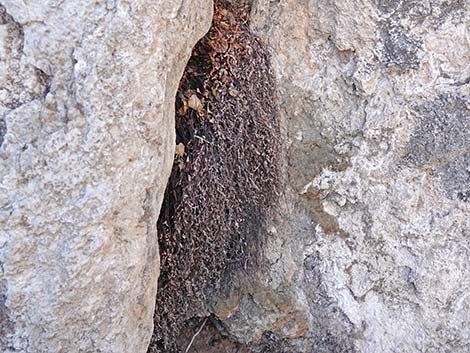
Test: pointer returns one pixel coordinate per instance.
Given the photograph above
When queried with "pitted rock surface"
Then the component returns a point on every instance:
(87, 137)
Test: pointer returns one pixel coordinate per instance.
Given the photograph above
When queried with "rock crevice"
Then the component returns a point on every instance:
(226, 173)
(318, 198)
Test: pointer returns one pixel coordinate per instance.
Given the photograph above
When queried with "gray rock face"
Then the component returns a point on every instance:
(87, 137)
(370, 251)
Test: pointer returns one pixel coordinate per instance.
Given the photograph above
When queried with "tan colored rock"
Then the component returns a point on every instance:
(87, 140)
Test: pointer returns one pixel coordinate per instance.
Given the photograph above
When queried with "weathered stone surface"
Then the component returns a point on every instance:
(370, 251)
(87, 137)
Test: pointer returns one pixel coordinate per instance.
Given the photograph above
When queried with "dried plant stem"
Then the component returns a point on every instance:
(195, 335)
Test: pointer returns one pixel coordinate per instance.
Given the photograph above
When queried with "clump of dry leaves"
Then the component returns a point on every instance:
(226, 172)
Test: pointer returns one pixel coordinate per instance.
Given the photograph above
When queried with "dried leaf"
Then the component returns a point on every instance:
(220, 46)
(183, 110)
(233, 92)
(195, 103)
(180, 149)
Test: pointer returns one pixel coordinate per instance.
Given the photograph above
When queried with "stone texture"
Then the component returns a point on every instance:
(369, 252)
(87, 138)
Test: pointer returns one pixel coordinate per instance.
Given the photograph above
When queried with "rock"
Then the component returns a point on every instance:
(370, 250)
(87, 140)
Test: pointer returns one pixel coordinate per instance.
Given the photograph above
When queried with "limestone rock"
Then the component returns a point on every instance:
(370, 251)
(87, 140)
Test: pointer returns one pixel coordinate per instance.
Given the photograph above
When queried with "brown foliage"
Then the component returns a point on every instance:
(225, 177)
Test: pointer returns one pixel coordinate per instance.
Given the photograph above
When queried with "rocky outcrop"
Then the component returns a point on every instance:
(368, 248)
(369, 251)
(87, 138)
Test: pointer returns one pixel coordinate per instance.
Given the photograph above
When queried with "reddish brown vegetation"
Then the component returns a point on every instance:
(225, 176)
